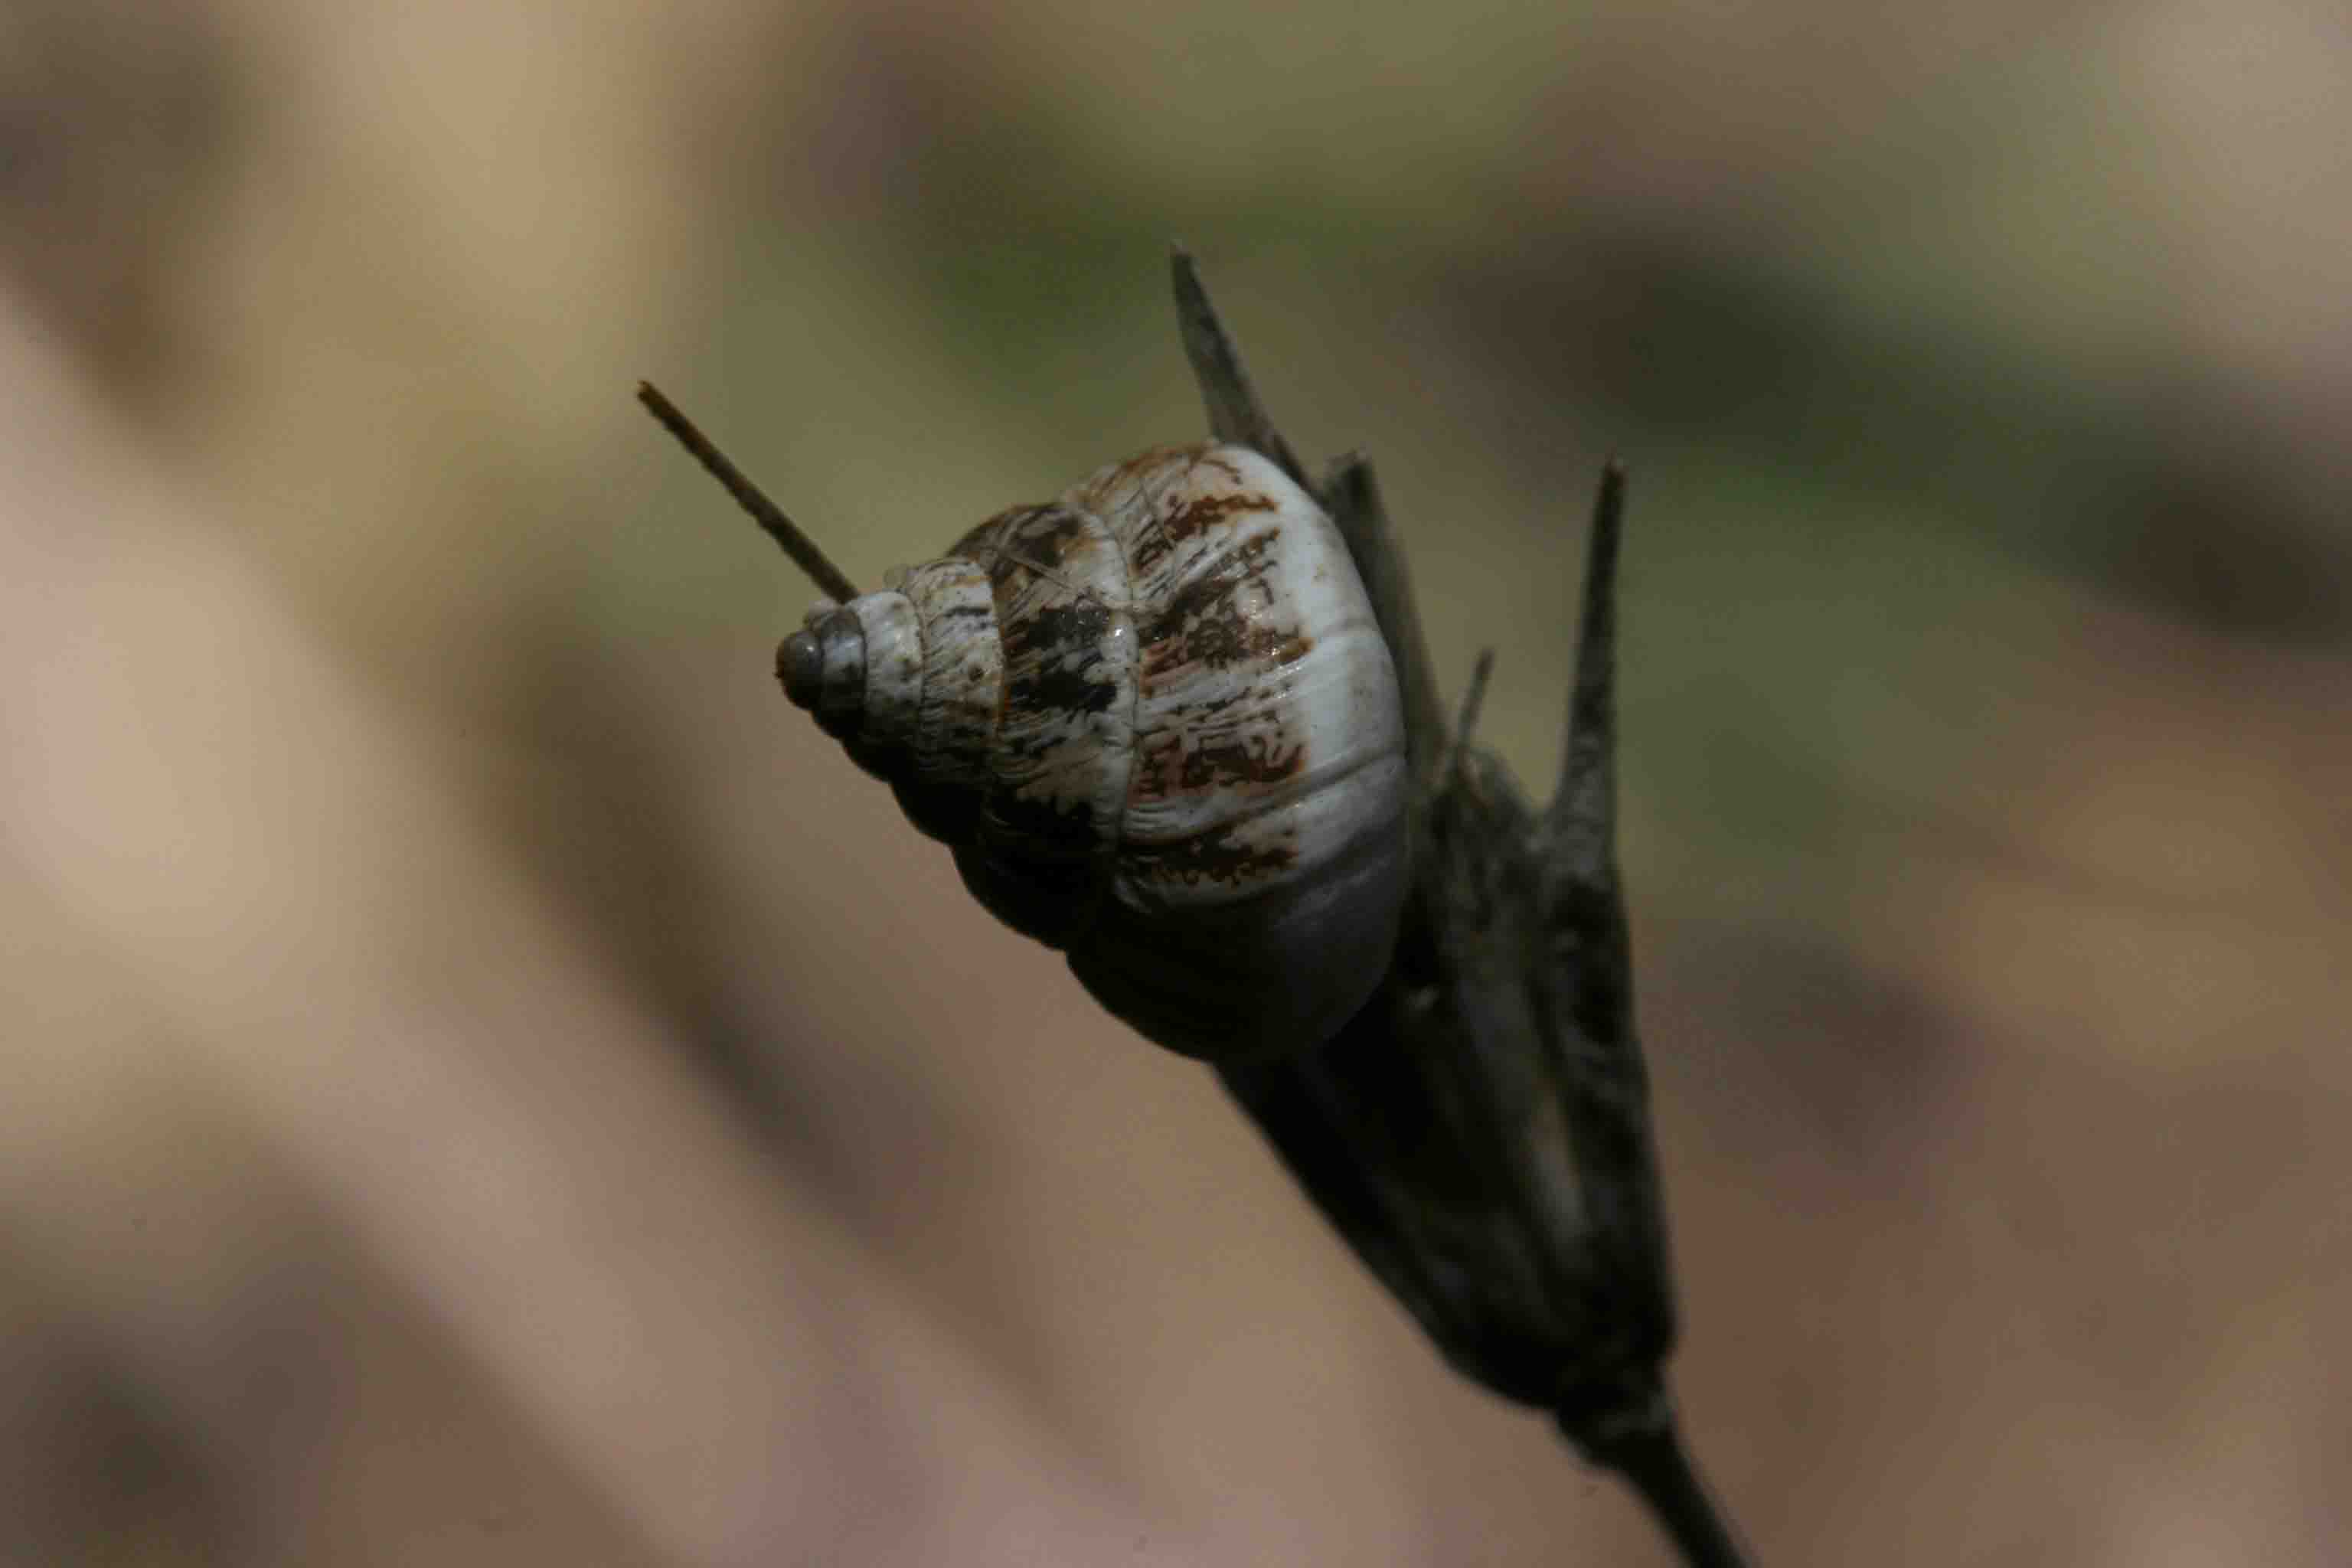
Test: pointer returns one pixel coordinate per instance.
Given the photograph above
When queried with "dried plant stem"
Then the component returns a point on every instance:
(1652, 1459)
(831, 581)
(1479, 1132)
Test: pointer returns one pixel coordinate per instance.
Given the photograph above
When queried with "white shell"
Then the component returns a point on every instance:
(1157, 724)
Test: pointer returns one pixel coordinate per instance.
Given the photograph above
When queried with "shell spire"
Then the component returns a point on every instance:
(1157, 723)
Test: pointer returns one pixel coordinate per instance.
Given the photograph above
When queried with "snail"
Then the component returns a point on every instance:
(1157, 724)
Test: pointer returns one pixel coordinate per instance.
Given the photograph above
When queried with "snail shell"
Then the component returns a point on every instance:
(1157, 724)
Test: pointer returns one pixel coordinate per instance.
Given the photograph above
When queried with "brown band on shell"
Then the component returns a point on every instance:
(1242, 762)
(1064, 734)
(1231, 856)
(963, 671)
(1223, 616)
(1194, 512)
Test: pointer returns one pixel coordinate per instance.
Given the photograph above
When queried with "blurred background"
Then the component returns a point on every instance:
(485, 1082)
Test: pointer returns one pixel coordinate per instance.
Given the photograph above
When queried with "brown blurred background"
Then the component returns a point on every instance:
(485, 1082)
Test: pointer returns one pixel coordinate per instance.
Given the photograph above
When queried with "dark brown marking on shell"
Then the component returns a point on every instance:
(1192, 455)
(1062, 689)
(1204, 513)
(1033, 534)
(1074, 628)
(1245, 764)
(1195, 517)
(963, 724)
(1207, 621)
(1053, 535)
(978, 540)
(1236, 566)
(960, 621)
(1218, 855)
(1144, 462)
(1225, 638)
(1057, 648)
(1049, 831)
(1211, 457)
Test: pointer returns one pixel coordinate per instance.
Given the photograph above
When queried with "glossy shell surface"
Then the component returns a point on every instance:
(1157, 723)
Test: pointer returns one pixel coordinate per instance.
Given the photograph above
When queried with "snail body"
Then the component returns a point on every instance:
(1158, 725)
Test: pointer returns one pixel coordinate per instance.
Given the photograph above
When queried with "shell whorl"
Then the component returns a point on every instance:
(1157, 723)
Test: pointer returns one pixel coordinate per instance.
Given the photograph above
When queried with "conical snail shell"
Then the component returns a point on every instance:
(1157, 723)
